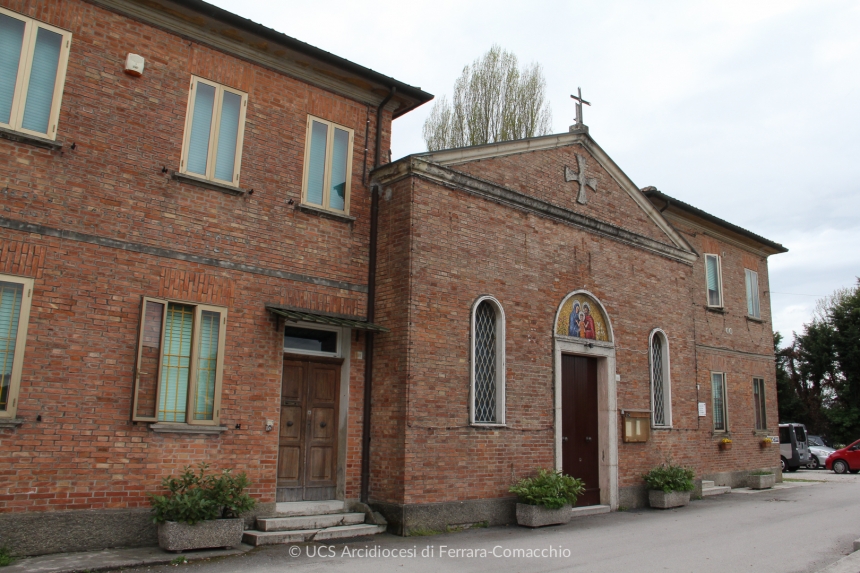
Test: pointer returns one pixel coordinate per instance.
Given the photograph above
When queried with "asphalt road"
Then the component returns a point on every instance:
(799, 529)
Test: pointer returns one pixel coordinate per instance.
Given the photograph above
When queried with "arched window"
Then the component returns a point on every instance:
(487, 404)
(661, 385)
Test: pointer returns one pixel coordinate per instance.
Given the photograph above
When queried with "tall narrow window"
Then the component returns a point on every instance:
(752, 294)
(214, 131)
(15, 296)
(488, 372)
(718, 397)
(328, 165)
(661, 386)
(179, 363)
(715, 280)
(33, 59)
(758, 404)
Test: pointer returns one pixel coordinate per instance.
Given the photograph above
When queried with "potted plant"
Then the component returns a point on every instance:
(765, 442)
(201, 511)
(547, 498)
(669, 486)
(761, 480)
(725, 444)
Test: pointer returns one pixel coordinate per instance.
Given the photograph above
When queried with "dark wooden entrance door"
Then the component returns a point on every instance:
(307, 452)
(579, 450)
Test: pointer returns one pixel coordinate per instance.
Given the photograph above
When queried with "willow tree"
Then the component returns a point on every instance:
(494, 100)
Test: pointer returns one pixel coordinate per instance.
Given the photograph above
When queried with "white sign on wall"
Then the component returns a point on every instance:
(702, 410)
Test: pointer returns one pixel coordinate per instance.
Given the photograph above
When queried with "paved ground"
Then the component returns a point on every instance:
(803, 528)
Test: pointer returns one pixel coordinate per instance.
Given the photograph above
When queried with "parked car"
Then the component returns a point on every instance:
(793, 450)
(845, 460)
(819, 449)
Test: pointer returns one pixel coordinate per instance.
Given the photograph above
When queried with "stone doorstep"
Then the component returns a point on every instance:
(112, 559)
(257, 538)
(589, 510)
(717, 490)
(706, 484)
(300, 508)
(305, 522)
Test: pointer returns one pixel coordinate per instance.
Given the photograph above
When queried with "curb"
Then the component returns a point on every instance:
(848, 564)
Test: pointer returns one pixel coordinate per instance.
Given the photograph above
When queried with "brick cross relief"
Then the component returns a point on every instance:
(580, 178)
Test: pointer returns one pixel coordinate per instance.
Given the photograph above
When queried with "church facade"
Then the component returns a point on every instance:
(547, 313)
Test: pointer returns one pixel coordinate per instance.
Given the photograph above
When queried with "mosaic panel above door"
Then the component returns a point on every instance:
(582, 317)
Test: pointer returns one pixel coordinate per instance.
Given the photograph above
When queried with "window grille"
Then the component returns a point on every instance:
(718, 387)
(485, 363)
(659, 416)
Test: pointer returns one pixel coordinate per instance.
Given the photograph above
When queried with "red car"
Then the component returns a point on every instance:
(845, 460)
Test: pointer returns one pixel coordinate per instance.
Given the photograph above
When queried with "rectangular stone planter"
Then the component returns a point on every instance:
(177, 536)
(761, 482)
(662, 500)
(538, 516)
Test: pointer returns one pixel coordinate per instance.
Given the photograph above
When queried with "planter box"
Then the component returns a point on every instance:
(662, 500)
(177, 536)
(538, 516)
(761, 482)
(725, 446)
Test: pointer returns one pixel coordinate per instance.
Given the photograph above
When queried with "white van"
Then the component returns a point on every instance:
(793, 446)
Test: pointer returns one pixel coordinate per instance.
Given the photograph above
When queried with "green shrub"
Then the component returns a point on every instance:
(551, 489)
(5, 557)
(761, 473)
(194, 497)
(669, 478)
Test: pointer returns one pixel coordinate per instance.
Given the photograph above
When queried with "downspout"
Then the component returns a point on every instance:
(371, 308)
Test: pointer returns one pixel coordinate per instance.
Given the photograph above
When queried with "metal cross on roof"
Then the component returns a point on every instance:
(579, 102)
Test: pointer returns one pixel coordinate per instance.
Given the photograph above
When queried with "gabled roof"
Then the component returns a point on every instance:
(664, 202)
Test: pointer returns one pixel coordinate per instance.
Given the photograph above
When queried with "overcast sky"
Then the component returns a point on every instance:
(747, 109)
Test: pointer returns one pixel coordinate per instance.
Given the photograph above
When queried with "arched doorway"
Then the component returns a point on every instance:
(585, 382)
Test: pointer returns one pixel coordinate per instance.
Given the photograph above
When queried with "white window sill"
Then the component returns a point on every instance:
(754, 319)
(200, 182)
(13, 135)
(310, 209)
(10, 422)
(167, 428)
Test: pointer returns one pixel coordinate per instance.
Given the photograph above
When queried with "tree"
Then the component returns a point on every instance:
(494, 100)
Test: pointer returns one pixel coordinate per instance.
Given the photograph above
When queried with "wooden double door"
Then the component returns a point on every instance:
(580, 452)
(308, 429)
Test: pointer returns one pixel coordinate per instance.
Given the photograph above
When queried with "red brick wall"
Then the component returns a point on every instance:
(85, 454)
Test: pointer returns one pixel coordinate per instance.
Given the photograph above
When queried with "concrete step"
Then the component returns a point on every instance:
(257, 538)
(589, 510)
(716, 490)
(707, 484)
(297, 508)
(308, 521)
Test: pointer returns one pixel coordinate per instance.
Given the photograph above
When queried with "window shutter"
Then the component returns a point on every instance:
(11, 45)
(175, 363)
(337, 196)
(316, 165)
(10, 312)
(43, 78)
(752, 293)
(713, 280)
(148, 360)
(207, 365)
(201, 127)
(228, 134)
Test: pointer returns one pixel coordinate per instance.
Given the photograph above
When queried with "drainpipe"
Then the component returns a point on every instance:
(371, 308)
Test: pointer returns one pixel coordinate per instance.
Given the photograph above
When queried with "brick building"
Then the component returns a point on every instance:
(199, 263)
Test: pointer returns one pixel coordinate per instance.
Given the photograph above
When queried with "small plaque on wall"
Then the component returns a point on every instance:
(703, 410)
(636, 426)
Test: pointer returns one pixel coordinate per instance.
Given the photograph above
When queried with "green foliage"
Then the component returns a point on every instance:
(549, 488)
(818, 375)
(5, 557)
(179, 560)
(194, 497)
(494, 100)
(668, 477)
(761, 473)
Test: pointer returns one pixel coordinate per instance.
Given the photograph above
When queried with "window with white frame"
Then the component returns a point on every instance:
(180, 362)
(488, 362)
(718, 401)
(33, 59)
(328, 165)
(661, 385)
(214, 132)
(753, 308)
(16, 293)
(713, 273)
(758, 404)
